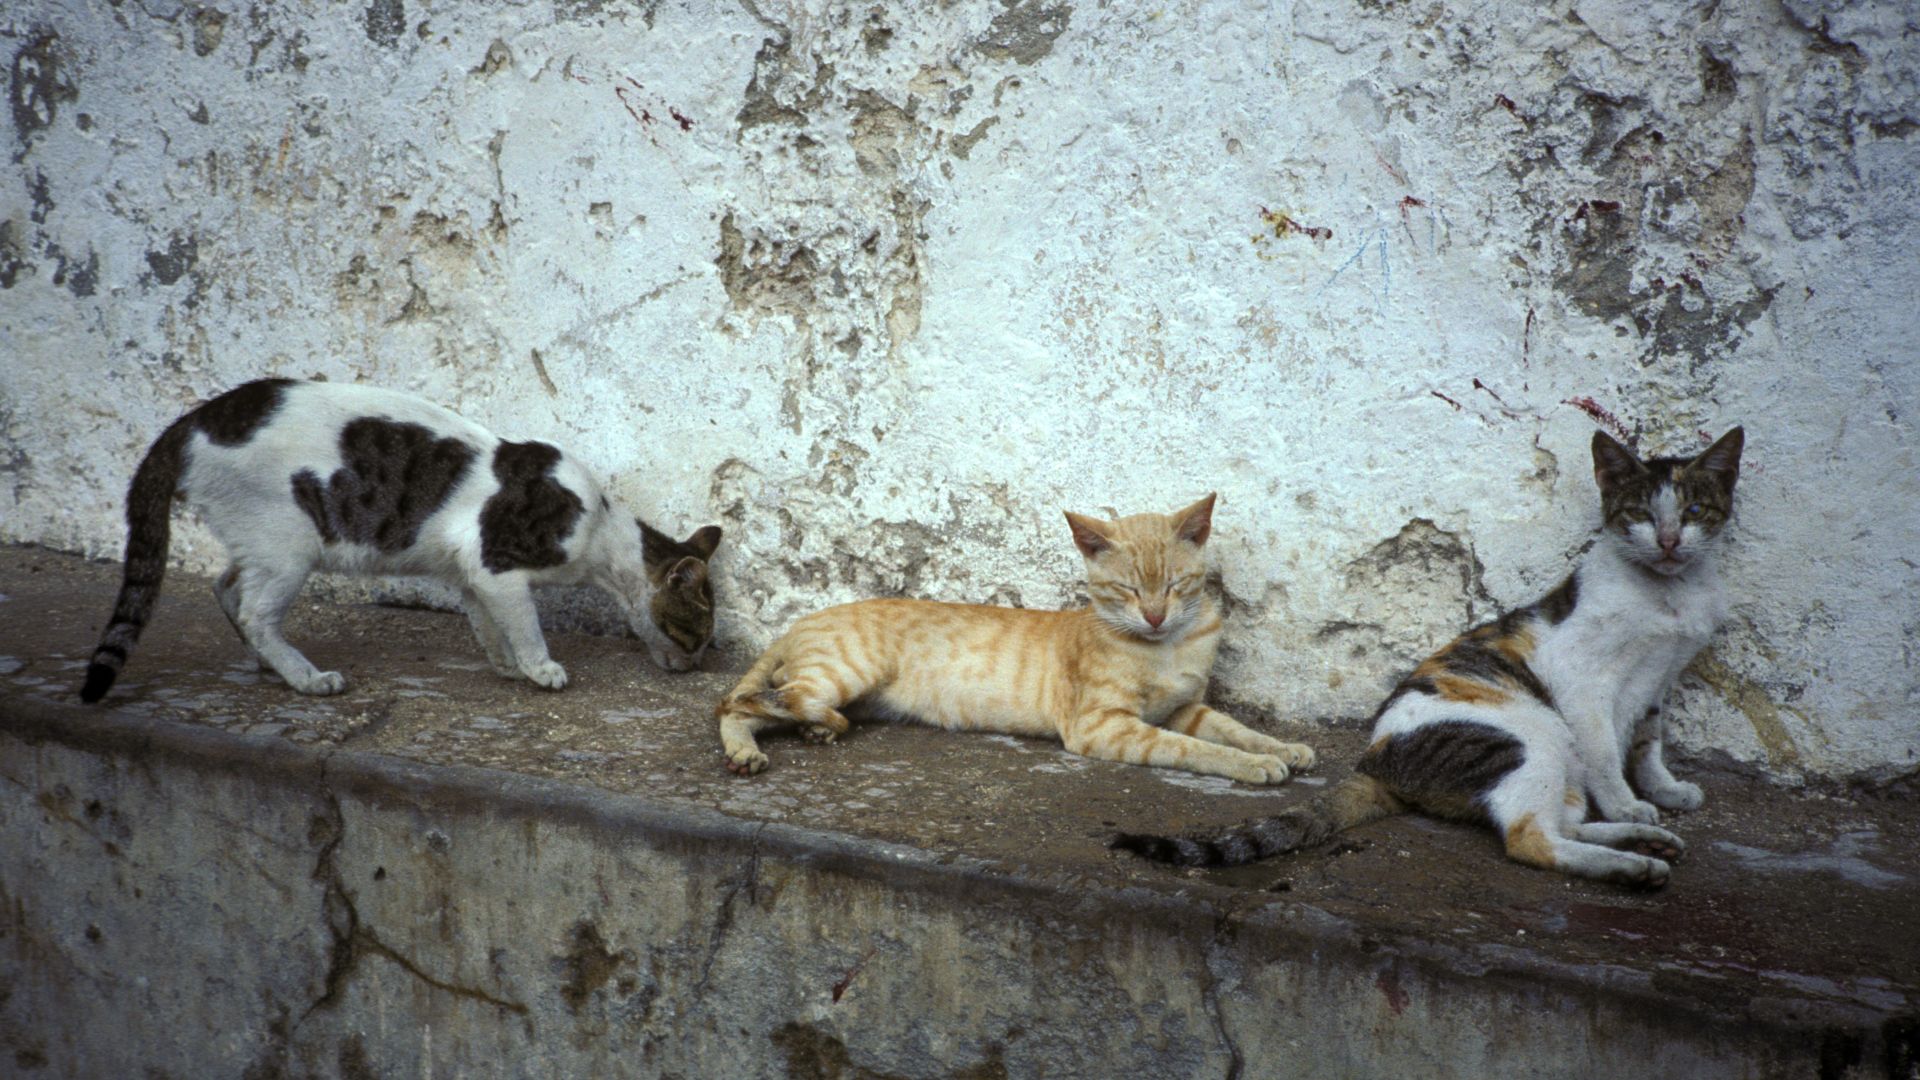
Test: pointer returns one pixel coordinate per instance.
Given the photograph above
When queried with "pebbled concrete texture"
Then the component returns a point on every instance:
(882, 289)
(445, 872)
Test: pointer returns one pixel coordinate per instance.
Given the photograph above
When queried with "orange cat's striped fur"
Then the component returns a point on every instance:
(1120, 680)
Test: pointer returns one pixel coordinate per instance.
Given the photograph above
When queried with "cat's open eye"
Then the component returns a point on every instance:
(1693, 510)
(1636, 514)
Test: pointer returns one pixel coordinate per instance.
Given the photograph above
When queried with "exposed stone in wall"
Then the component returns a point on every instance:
(884, 288)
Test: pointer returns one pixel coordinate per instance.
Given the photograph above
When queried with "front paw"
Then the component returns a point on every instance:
(1637, 811)
(746, 761)
(1260, 769)
(324, 684)
(1680, 795)
(548, 675)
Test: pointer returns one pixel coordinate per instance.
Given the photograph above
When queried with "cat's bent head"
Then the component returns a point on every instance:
(680, 610)
(1666, 512)
(1147, 573)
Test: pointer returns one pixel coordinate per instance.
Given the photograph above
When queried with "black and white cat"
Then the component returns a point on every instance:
(297, 476)
(1518, 723)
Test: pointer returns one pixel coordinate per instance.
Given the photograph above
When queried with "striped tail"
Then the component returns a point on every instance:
(149, 530)
(1355, 801)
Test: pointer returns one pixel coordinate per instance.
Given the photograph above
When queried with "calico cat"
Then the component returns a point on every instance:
(1519, 722)
(297, 476)
(1121, 680)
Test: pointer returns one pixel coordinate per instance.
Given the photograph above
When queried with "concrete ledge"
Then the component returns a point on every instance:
(183, 898)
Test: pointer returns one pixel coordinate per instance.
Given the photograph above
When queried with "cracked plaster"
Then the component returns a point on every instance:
(884, 289)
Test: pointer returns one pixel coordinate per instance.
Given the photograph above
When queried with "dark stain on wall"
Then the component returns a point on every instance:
(38, 86)
(386, 21)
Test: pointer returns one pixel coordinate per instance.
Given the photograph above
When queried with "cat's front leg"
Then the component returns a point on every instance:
(1214, 726)
(499, 652)
(508, 601)
(1116, 733)
(1599, 749)
(1650, 773)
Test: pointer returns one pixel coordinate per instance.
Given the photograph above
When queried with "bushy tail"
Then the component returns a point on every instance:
(1356, 801)
(149, 529)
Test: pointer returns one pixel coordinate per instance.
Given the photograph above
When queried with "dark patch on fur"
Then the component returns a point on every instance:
(1472, 655)
(524, 524)
(392, 478)
(1559, 604)
(1412, 684)
(1628, 485)
(232, 418)
(1446, 767)
(311, 497)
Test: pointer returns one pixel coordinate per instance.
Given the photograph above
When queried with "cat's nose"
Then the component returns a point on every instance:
(1669, 542)
(1154, 618)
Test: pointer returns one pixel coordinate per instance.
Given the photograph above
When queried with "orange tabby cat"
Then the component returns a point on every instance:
(1120, 680)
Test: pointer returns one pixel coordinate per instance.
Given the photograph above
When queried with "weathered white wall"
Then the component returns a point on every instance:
(883, 287)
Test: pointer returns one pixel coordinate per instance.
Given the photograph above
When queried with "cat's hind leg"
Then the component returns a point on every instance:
(1214, 726)
(226, 590)
(1534, 809)
(507, 600)
(265, 594)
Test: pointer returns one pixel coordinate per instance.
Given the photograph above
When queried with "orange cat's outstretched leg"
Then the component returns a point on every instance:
(1118, 734)
(1202, 722)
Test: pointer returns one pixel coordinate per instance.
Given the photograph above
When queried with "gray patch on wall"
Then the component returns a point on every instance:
(1025, 32)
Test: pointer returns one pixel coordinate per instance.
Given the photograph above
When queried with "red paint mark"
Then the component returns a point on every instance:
(1478, 385)
(1526, 341)
(1705, 435)
(1506, 103)
(1445, 398)
(1388, 983)
(1406, 221)
(1282, 223)
(1391, 171)
(1602, 417)
(640, 116)
(840, 988)
(686, 123)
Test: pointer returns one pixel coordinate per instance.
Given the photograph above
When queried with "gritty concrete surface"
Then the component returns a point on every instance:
(442, 871)
(884, 287)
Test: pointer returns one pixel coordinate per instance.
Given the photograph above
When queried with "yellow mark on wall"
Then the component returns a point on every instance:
(1759, 709)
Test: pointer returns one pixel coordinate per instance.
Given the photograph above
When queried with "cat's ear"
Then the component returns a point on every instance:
(703, 541)
(1722, 459)
(1089, 535)
(686, 575)
(655, 546)
(1195, 523)
(1613, 464)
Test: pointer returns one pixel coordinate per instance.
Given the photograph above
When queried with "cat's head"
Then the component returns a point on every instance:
(1666, 512)
(1147, 573)
(680, 608)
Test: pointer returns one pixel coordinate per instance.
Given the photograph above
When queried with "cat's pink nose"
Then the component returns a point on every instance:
(1154, 618)
(1668, 543)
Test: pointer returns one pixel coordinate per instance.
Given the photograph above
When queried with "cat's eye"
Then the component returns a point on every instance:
(1693, 510)
(1636, 514)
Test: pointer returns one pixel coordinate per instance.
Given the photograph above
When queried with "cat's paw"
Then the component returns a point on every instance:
(746, 761)
(1261, 769)
(1660, 844)
(548, 675)
(1298, 755)
(323, 684)
(819, 733)
(1645, 873)
(1636, 811)
(1680, 795)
